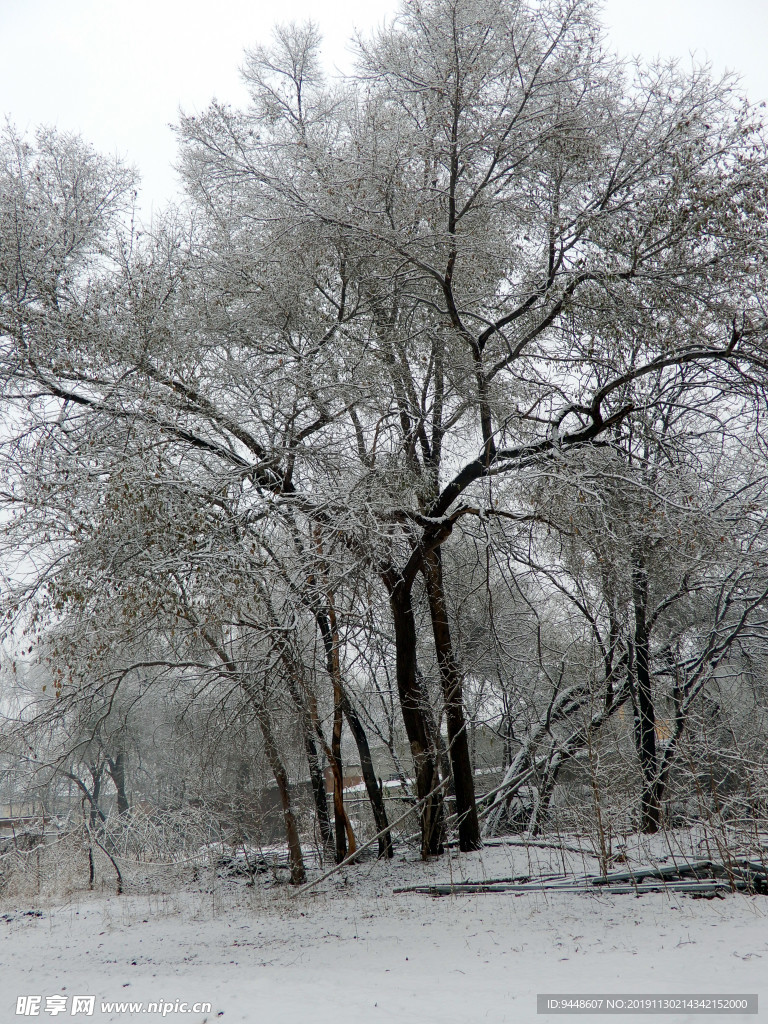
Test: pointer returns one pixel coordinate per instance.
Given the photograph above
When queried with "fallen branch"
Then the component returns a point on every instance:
(694, 888)
(696, 878)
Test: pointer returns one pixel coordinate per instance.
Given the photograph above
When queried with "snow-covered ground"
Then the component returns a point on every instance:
(351, 950)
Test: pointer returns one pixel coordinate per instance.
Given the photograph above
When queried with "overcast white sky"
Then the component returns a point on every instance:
(117, 72)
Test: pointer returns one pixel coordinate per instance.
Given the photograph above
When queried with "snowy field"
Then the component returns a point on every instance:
(351, 950)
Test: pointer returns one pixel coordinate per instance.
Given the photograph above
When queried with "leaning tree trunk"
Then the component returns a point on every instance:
(422, 749)
(316, 775)
(546, 790)
(327, 624)
(335, 767)
(295, 858)
(458, 747)
(95, 812)
(373, 789)
(330, 637)
(310, 725)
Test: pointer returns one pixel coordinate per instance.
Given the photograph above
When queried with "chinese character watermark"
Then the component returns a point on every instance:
(83, 1004)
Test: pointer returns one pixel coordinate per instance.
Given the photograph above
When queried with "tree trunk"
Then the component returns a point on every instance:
(295, 858)
(445, 764)
(333, 764)
(422, 750)
(458, 747)
(546, 789)
(508, 727)
(97, 773)
(373, 789)
(116, 770)
(645, 716)
(316, 775)
(329, 633)
(317, 780)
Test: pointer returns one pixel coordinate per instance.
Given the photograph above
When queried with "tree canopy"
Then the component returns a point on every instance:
(489, 307)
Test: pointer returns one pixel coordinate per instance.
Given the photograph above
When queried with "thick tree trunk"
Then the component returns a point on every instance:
(458, 747)
(422, 749)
